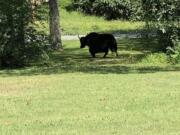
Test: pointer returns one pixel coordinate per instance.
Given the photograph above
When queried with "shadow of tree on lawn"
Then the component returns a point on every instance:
(73, 60)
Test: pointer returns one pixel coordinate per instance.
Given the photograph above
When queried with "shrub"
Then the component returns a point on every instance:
(174, 53)
(19, 43)
(164, 15)
(110, 9)
(156, 58)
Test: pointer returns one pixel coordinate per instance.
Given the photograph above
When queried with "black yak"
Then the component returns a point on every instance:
(99, 43)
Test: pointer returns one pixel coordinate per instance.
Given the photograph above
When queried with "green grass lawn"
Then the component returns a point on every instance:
(74, 94)
(86, 104)
(74, 23)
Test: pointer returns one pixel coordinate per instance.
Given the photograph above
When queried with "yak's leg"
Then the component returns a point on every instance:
(105, 54)
(115, 51)
(93, 54)
(116, 54)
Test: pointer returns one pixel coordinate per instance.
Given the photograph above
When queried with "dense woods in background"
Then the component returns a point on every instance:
(21, 44)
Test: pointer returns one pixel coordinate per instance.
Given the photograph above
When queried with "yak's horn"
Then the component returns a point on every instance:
(79, 36)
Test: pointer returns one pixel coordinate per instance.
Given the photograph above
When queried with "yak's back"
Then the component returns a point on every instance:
(107, 36)
(104, 37)
(92, 35)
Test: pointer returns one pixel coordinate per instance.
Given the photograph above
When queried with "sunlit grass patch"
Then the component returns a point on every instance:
(73, 23)
(84, 24)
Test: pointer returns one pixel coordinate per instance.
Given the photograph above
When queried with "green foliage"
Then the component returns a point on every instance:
(155, 59)
(13, 22)
(16, 35)
(165, 16)
(174, 53)
(110, 9)
(37, 46)
(161, 10)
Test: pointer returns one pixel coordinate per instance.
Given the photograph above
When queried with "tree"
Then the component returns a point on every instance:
(165, 16)
(20, 43)
(54, 26)
(15, 17)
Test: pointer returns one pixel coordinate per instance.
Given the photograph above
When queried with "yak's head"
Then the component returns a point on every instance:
(82, 41)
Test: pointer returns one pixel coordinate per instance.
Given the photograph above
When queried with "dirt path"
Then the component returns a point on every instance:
(117, 36)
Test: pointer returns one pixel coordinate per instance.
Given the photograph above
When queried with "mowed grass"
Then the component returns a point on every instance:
(73, 23)
(86, 104)
(74, 94)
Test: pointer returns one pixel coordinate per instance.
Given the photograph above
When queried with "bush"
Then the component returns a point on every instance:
(37, 46)
(110, 9)
(165, 16)
(19, 43)
(168, 38)
(174, 53)
(156, 58)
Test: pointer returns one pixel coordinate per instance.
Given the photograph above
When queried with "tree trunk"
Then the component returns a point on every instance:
(54, 25)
